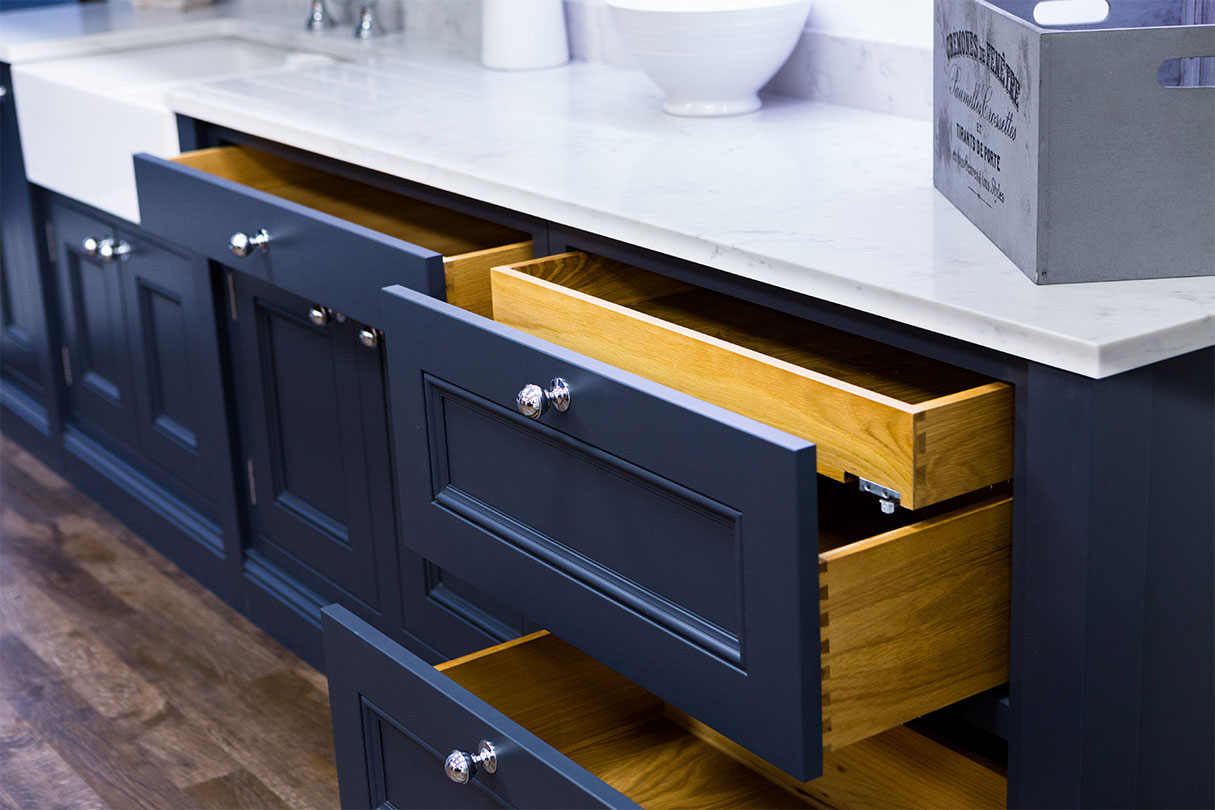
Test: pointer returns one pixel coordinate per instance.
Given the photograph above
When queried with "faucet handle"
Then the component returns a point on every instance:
(367, 24)
(318, 17)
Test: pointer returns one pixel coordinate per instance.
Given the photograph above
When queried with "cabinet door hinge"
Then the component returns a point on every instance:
(67, 364)
(51, 253)
(252, 482)
(232, 295)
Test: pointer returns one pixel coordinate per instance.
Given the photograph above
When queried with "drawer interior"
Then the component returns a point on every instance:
(469, 245)
(662, 759)
(920, 427)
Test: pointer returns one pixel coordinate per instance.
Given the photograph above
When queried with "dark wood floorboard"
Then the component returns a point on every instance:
(125, 684)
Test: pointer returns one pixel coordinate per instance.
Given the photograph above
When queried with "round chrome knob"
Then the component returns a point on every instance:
(533, 400)
(318, 316)
(558, 394)
(109, 250)
(242, 244)
(368, 338)
(461, 766)
(91, 246)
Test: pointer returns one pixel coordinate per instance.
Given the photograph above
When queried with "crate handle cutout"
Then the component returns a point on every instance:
(1071, 12)
(1187, 72)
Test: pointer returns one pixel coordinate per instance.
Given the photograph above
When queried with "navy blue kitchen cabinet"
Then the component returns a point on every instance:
(1110, 696)
(144, 405)
(26, 384)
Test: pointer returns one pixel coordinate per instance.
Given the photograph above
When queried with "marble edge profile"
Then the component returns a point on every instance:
(1068, 352)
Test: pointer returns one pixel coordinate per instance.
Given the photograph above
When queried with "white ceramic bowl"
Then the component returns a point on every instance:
(710, 57)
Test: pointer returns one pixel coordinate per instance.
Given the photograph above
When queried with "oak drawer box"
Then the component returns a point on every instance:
(692, 549)
(567, 732)
(330, 239)
(924, 429)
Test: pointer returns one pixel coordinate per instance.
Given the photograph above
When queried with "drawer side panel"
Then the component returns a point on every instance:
(914, 619)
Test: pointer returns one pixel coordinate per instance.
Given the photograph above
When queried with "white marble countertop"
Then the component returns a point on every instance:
(826, 201)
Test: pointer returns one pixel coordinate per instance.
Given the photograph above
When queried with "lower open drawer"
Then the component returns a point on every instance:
(568, 732)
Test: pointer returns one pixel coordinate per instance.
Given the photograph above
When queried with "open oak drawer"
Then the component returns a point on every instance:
(923, 429)
(568, 732)
(692, 549)
(324, 231)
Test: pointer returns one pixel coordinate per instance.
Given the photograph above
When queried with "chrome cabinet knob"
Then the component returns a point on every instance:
(319, 316)
(461, 766)
(242, 244)
(111, 250)
(105, 249)
(369, 338)
(533, 400)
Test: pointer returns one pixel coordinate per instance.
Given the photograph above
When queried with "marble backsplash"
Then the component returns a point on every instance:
(829, 66)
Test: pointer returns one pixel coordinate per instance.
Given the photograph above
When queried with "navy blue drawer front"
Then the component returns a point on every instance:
(670, 539)
(311, 254)
(395, 719)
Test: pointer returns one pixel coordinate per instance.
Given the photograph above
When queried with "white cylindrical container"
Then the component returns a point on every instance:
(523, 34)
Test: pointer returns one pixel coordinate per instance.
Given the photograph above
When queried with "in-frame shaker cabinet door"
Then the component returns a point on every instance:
(97, 361)
(179, 401)
(313, 425)
(307, 416)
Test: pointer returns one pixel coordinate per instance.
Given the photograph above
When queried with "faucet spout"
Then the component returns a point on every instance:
(318, 17)
(367, 25)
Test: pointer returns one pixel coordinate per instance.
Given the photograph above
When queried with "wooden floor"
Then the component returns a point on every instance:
(125, 684)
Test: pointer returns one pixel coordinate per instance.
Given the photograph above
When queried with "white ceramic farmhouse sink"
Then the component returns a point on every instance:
(83, 117)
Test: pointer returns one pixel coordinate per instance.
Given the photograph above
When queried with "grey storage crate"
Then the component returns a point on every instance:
(1085, 152)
